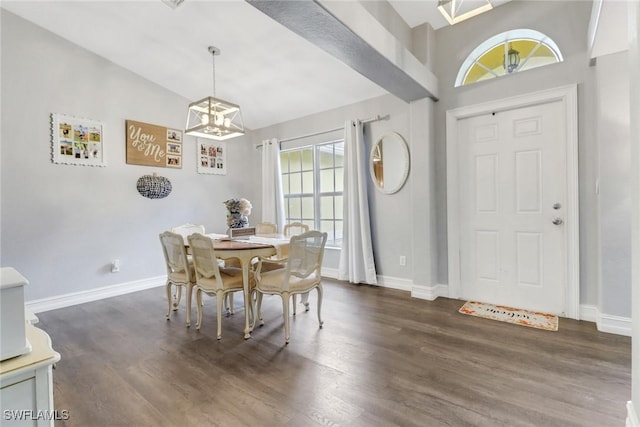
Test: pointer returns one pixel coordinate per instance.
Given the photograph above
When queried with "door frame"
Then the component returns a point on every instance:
(568, 96)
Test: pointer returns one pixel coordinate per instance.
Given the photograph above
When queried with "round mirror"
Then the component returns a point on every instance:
(389, 163)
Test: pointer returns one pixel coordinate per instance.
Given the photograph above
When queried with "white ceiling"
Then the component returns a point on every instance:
(272, 73)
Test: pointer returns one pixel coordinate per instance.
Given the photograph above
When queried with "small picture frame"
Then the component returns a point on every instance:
(174, 161)
(174, 135)
(174, 148)
(77, 141)
(211, 157)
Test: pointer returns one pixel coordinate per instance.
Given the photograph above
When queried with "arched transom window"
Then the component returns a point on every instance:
(509, 52)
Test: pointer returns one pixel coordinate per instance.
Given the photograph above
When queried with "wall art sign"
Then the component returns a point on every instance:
(152, 145)
(77, 141)
(212, 157)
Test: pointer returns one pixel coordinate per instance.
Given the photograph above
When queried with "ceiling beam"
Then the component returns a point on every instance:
(351, 34)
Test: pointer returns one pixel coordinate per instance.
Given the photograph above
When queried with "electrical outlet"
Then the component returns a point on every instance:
(115, 266)
(403, 260)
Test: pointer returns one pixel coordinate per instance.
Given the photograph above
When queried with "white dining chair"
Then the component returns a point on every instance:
(213, 280)
(300, 275)
(295, 228)
(186, 229)
(266, 228)
(180, 272)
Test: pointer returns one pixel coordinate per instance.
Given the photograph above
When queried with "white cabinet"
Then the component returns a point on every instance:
(12, 326)
(26, 384)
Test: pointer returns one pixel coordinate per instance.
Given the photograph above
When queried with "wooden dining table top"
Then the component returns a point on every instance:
(234, 245)
(221, 242)
(244, 244)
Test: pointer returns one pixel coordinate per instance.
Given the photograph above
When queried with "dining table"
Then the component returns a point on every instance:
(245, 250)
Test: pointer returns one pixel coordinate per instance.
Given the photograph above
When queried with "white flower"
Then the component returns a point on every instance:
(245, 207)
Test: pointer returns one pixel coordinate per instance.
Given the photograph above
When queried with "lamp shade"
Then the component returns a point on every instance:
(214, 118)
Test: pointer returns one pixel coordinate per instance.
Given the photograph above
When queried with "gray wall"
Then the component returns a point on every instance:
(62, 225)
(393, 222)
(614, 169)
(566, 23)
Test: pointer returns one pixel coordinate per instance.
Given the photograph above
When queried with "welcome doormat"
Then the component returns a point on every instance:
(532, 319)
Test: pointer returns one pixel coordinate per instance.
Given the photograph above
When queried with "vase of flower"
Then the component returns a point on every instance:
(237, 220)
(238, 211)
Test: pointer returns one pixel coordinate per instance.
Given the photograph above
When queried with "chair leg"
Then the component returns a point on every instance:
(250, 305)
(228, 304)
(259, 308)
(304, 299)
(319, 304)
(231, 311)
(176, 303)
(199, 308)
(219, 300)
(285, 313)
(294, 297)
(189, 291)
(169, 299)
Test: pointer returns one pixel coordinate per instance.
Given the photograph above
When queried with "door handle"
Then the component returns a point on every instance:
(557, 221)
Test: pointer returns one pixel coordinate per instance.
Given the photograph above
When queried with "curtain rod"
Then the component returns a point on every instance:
(372, 119)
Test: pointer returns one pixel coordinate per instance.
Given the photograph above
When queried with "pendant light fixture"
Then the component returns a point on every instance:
(455, 11)
(511, 60)
(214, 118)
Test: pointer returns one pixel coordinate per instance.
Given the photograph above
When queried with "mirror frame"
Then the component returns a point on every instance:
(404, 157)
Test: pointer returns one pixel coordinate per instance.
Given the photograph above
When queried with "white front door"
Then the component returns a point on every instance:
(512, 203)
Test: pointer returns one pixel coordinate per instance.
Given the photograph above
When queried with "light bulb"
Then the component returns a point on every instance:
(227, 122)
(219, 119)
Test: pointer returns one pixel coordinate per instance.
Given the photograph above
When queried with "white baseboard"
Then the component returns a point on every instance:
(384, 281)
(331, 273)
(395, 283)
(606, 322)
(615, 325)
(74, 298)
(590, 313)
(417, 291)
(429, 292)
(632, 417)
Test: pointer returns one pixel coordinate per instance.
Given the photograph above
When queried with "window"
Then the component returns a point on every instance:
(506, 53)
(312, 182)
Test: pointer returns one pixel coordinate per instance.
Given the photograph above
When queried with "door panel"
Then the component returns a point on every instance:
(528, 182)
(488, 256)
(512, 171)
(486, 179)
(529, 259)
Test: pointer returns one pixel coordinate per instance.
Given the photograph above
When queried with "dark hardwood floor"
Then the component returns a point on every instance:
(382, 359)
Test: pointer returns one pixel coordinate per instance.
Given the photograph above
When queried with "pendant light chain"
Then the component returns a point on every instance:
(213, 58)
